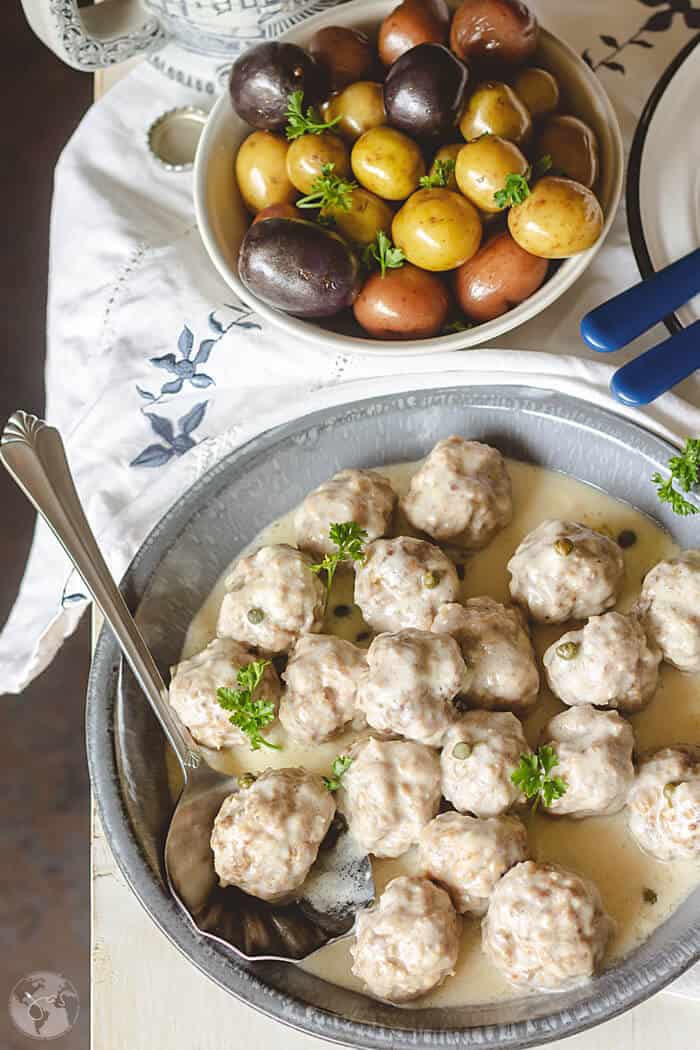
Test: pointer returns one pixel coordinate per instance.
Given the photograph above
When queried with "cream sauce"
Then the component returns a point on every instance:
(599, 848)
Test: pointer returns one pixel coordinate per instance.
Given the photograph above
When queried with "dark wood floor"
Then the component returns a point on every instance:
(44, 886)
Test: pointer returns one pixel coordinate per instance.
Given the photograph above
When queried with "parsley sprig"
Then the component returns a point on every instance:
(250, 715)
(685, 469)
(300, 123)
(383, 253)
(440, 176)
(517, 187)
(348, 538)
(533, 776)
(329, 191)
(340, 765)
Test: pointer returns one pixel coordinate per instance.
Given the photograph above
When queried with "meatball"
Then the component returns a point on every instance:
(594, 749)
(468, 855)
(194, 685)
(402, 583)
(664, 804)
(321, 677)
(271, 599)
(545, 927)
(608, 663)
(266, 837)
(670, 607)
(502, 672)
(409, 942)
(460, 493)
(479, 753)
(564, 571)
(352, 495)
(411, 680)
(389, 793)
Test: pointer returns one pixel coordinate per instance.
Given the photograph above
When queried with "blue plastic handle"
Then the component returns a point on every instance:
(659, 369)
(621, 319)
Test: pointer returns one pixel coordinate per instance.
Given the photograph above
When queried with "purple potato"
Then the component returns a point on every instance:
(424, 91)
(264, 77)
(299, 267)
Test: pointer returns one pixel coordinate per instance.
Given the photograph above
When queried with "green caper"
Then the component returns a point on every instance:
(627, 538)
(256, 615)
(568, 650)
(461, 750)
(670, 790)
(563, 546)
(650, 897)
(246, 780)
(431, 579)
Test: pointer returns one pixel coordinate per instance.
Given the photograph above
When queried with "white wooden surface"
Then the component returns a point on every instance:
(146, 996)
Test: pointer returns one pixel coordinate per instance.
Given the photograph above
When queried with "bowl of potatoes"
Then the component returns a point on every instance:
(408, 179)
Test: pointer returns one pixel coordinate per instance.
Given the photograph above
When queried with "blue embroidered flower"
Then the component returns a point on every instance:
(174, 443)
(184, 369)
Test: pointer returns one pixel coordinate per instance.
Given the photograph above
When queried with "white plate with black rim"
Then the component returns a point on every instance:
(663, 176)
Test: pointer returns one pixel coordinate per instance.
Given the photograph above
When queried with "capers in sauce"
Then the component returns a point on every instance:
(568, 650)
(256, 615)
(649, 896)
(461, 750)
(627, 538)
(431, 580)
(670, 790)
(563, 546)
(246, 780)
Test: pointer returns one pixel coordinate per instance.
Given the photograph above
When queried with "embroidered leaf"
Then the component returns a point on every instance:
(145, 394)
(586, 56)
(162, 426)
(153, 456)
(216, 326)
(173, 387)
(194, 417)
(73, 599)
(185, 342)
(201, 380)
(617, 67)
(205, 348)
(183, 443)
(167, 361)
(640, 43)
(248, 324)
(609, 40)
(692, 18)
(658, 22)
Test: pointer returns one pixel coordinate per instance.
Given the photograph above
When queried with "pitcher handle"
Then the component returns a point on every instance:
(94, 37)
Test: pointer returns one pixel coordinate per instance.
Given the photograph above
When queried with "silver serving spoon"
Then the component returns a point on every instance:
(340, 882)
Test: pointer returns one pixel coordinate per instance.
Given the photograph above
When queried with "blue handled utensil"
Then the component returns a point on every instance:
(621, 319)
(659, 369)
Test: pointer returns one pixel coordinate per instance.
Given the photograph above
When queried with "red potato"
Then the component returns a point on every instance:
(407, 303)
(278, 211)
(346, 54)
(500, 276)
(494, 33)
(413, 22)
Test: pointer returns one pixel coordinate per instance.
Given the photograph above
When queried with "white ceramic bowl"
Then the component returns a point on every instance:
(223, 220)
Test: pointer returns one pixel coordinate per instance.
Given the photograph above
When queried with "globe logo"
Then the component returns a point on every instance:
(44, 1005)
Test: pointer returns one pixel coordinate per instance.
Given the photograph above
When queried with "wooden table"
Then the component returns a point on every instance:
(146, 996)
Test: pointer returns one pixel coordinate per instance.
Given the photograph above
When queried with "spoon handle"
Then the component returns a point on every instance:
(655, 371)
(621, 319)
(34, 455)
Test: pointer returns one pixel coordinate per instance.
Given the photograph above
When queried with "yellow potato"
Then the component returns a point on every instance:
(448, 152)
(482, 169)
(308, 154)
(560, 218)
(366, 215)
(495, 109)
(387, 163)
(538, 91)
(360, 107)
(572, 146)
(261, 171)
(437, 229)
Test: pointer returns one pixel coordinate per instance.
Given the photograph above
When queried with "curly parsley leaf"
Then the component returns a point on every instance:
(329, 192)
(249, 714)
(439, 178)
(349, 539)
(340, 765)
(685, 469)
(300, 123)
(382, 252)
(533, 776)
(517, 187)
